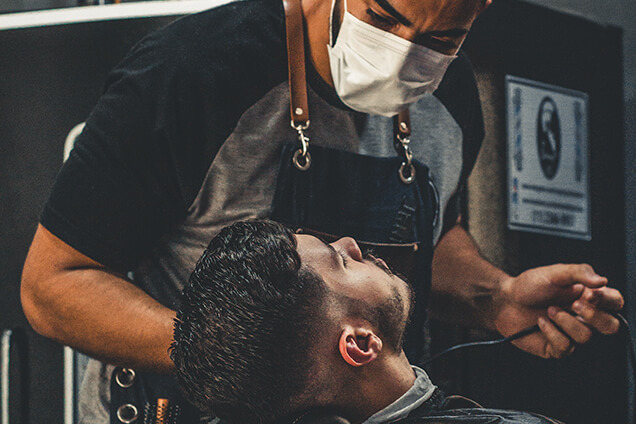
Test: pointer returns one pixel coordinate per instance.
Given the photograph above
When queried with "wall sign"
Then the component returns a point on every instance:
(548, 186)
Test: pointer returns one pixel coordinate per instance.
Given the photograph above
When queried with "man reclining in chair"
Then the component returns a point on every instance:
(274, 327)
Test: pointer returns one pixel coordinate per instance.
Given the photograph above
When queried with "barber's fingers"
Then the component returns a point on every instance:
(605, 298)
(558, 344)
(569, 274)
(573, 327)
(596, 318)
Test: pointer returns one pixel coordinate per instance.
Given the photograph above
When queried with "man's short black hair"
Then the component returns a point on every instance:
(243, 332)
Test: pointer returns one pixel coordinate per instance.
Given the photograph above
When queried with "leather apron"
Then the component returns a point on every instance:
(389, 205)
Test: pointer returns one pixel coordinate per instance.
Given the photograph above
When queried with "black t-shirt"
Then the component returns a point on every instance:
(169, 107)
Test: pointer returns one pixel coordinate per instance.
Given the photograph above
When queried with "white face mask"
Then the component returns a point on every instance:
(380, 73)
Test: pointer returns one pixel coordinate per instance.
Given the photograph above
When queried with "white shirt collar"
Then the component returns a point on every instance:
(419, 393)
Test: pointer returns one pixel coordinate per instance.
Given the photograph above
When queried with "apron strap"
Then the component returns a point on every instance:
(299, 107)
(296, 63)
(401, 141)
(402, 124)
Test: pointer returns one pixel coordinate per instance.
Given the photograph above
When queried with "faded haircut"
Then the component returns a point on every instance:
(246, 325)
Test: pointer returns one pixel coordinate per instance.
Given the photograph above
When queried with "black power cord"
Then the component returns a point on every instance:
(508, 339)
(530, 330)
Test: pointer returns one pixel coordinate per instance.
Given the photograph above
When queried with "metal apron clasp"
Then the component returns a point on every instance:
(302, 157)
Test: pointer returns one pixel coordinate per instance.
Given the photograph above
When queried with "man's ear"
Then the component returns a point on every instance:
(359, 345)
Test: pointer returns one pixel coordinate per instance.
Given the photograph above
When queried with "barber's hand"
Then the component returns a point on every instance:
(568, 302)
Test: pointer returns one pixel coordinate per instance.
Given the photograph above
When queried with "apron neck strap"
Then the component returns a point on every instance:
(402, 124)
(296, 63)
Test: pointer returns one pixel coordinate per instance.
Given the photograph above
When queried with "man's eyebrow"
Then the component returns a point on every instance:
(384, 4)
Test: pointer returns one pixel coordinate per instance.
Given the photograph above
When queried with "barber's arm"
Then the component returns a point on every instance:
(71, 298)
(470, 291)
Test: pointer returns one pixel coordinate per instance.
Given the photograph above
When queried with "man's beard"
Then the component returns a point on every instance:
(392, 317)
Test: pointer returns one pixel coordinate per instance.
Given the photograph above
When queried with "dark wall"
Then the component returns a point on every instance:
(7, 6)
(50, 79)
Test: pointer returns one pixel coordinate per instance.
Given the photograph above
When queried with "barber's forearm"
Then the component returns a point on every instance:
(465, 286)
(108, 318)
(70, 298)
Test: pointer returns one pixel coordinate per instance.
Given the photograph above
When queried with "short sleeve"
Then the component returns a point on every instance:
(119, 189)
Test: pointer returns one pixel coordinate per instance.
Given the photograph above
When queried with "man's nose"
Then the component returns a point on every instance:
(350, 247)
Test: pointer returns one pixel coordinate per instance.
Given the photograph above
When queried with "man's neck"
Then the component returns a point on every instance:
(316, 13)
(387, 382)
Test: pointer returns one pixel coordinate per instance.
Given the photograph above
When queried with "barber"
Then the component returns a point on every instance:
(193, 133)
